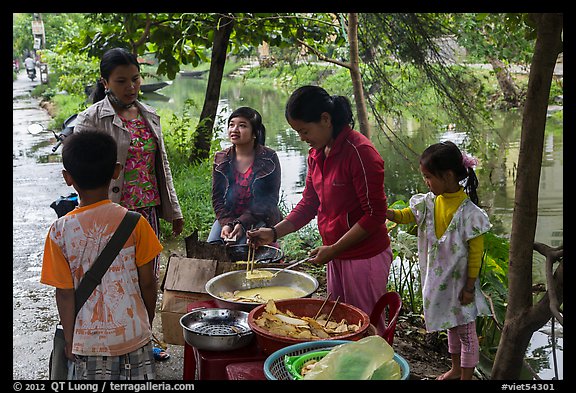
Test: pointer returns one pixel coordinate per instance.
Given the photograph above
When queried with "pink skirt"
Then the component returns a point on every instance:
(359, 282)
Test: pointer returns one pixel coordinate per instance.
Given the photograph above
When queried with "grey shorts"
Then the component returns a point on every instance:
(135, 365)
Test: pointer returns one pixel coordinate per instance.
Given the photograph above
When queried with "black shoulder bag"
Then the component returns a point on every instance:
(58, 363)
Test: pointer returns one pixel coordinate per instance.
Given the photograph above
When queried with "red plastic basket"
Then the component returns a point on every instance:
(307, 307)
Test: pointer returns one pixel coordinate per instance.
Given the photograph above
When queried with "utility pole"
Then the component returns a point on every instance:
(40, 43)
(38, 31)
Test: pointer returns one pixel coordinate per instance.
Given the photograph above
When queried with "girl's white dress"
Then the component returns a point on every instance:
(444, 263)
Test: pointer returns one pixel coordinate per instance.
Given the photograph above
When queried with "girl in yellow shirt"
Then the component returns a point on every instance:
(450, 246)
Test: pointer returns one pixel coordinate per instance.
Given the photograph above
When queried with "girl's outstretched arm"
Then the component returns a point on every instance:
(401, 216)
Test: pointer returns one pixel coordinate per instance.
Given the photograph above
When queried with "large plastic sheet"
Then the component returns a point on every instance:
(368, 358)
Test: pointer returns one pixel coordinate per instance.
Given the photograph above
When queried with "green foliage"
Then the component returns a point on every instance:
(73, 71)
(22, 38)
(58, 28)
(179, 132)
(494, 274)
(333, 78)
(505, 36)
(66, 106)
(193, 181)
(556, 89)
(186, 38)
(494, 284)
(405, 271)
(193, 184)
(297, 245)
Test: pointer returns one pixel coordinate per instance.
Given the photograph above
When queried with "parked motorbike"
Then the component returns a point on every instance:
(67, 130)
(31, 73)
(64, 204)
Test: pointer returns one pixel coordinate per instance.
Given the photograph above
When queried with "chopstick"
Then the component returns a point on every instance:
(333, 307)
(253, 259)
(249, 260)
(322, 306)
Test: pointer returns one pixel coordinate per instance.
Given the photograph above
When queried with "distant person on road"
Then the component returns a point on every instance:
(245, 180)
(29, 63)
(145, 182)
(450, 247)
(111, 337)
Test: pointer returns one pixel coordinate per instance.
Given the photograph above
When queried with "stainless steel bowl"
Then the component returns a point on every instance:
(236, 281)
(216, 329)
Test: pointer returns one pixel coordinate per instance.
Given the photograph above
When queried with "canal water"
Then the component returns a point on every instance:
(496, 171)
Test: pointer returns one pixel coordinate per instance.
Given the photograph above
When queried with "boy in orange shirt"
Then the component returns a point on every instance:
(110, 338)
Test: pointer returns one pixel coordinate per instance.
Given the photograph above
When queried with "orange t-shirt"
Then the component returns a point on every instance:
(114, 320)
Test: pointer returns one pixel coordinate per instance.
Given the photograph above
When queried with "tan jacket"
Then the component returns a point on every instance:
(102, 116)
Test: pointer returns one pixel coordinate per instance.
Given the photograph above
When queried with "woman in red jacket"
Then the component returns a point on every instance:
(345, 190)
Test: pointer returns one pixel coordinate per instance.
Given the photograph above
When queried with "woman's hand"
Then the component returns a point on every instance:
(260, 237)
(177, 226)
(237, 232)
(322, 255)
(226, 231)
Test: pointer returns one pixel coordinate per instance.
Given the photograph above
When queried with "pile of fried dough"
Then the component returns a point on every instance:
(288, 324)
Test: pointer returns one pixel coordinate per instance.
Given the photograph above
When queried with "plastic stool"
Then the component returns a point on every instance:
(211, 365)
(253, 371)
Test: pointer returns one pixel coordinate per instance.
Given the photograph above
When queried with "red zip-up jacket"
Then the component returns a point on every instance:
(343, 189)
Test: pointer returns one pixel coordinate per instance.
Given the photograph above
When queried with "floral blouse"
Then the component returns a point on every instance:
(140, 187)
(242, 190)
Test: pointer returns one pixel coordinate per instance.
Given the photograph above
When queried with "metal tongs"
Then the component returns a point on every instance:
(292, 265)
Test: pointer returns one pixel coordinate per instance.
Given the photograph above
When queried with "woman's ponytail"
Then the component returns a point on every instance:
(98, 93)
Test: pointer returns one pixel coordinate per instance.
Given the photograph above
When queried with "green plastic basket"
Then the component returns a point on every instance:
(294, 364)
(275, 366)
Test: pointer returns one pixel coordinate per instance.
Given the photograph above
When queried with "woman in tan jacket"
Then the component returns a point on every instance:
(145, 183)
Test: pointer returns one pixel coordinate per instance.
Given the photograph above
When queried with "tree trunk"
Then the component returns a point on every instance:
(203, 137)
(356, 77)
(520, 317)
(509, 89)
